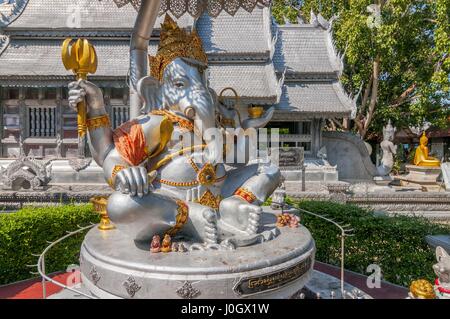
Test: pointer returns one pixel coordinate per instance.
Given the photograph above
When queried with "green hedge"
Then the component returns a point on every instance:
(397, 244)
(27, 231)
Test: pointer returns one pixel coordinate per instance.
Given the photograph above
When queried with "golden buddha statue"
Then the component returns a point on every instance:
(421, 158)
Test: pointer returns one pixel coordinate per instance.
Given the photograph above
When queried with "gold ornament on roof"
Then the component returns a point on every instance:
(176, 43)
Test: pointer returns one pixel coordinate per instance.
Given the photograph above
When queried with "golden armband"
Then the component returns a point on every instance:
(98, 122)
(245, 194)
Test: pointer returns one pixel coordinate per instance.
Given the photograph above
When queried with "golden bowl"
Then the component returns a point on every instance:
(100, 203)
(255, 111)
(422, 289)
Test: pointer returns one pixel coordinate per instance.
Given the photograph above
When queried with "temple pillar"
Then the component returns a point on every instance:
(59, 124)
(22, 120)
(316, 131)
(2, 98)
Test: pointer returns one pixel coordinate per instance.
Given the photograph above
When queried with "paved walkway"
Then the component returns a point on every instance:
(386, 291)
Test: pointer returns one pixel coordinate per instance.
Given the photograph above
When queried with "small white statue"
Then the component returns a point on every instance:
(389, 150)
(442, 271)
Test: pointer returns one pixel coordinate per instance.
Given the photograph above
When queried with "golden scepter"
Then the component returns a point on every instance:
(80, 57)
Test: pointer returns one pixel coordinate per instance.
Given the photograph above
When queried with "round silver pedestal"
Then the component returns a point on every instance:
(113, 267)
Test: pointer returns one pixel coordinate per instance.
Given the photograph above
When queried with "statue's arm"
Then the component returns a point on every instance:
(98, 124)
(393, 149)
(118, 173)
(133, 180)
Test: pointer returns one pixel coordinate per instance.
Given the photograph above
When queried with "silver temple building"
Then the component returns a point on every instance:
(294, 67)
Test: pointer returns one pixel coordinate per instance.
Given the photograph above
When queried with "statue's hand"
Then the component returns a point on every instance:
(134, 181)
(259, 122)
(82, 89)
(238, 213)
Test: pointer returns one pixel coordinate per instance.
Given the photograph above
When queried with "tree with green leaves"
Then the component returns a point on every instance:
(396, 53)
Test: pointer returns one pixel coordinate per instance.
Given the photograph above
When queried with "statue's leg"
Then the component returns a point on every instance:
(142, 218)
(156, 214)
(201, 225)
(244, 191)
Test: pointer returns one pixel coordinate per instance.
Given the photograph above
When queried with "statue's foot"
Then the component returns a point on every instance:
(211, 235)
(202, 224)
(239, 216)
(248, 240)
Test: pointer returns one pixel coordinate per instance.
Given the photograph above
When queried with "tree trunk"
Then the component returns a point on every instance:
(373, 96)
(359, 120)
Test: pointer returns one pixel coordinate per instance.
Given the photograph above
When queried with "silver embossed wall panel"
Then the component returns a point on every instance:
(196, 7)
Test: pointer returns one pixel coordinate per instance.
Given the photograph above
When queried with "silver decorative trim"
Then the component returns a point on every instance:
(187, 291)
(4, 42)
(37, 173)
(16, 9)
(196, 8)
(95, 277)
(79, 164)
(131, 286)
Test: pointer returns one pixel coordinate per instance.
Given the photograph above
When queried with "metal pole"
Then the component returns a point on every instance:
(303, 178)
(342, 263)
(344, 232)
(140, 38)
(41, 266)
(44, 288)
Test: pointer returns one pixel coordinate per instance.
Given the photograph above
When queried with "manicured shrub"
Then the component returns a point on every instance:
(26, 232)
(397, 243)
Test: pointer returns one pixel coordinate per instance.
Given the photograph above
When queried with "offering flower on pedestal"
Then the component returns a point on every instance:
(286, 219)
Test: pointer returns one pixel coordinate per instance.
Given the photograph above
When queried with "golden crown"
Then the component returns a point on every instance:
(175, 43)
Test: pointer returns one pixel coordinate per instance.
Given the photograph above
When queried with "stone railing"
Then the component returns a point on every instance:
(42, 121)
(119, 115)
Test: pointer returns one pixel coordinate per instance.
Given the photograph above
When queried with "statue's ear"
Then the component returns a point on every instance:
(149, 90)
(441, 253)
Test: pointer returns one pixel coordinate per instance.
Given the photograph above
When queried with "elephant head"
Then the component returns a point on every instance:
(184, 91)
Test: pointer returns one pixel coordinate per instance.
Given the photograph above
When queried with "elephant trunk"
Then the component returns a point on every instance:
(205, 125)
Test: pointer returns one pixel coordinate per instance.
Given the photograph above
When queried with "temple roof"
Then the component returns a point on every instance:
(40, 59)
(255, 81)
(198, 7)
(315, 99)
(37, 57)
(63, 14)
(305, 50)
(242, 34)
(246, 51)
